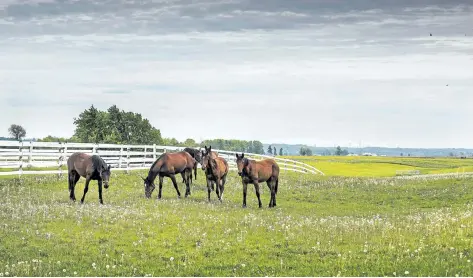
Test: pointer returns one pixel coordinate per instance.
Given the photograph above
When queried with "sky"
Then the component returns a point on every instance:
(316, 72)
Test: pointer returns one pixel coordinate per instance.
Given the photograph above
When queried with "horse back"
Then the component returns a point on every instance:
(174, 163)
(267, 169)
(81, 163)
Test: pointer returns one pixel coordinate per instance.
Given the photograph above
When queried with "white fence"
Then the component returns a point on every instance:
(19, 157)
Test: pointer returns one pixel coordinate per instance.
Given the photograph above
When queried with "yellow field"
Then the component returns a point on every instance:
(369, 166)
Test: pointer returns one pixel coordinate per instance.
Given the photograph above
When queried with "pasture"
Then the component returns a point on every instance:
(345, 223)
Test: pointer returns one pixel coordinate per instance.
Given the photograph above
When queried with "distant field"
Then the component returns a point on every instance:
(368, 166)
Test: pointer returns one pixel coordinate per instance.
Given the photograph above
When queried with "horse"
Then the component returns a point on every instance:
(90, 167)
(168, 165)
(197, 155)
(216, 170)
(213, 155)
(252, 171)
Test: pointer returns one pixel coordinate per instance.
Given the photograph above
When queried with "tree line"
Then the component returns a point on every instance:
(115, 126)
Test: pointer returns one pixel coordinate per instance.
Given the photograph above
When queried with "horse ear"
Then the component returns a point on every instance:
(242, 155)
(237, 156)
(108, 169)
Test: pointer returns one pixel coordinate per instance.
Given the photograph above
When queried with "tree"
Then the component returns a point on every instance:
(270, 150)
(280, 151)
(115, 126)
(338, 151)
(274, 151)
(305, 151)
(190, 143)
(17, 131)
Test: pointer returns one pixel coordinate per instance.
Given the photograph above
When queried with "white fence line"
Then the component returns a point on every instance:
(19, 156)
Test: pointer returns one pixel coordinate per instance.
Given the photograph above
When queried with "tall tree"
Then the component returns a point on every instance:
(17, 131)
(280, 152)
(270, 150)
(274, 151)
(338, 151)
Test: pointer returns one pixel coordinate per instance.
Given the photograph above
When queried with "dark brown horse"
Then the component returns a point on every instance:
(168, 165)
(252, 171)
(213, 155)
(216, 170)
(91, 167)
(197, 155)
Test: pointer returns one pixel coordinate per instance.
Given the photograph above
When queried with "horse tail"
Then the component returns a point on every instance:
(276, 187)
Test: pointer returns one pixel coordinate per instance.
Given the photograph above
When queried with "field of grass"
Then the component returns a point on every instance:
(323, 226)
(366, 166)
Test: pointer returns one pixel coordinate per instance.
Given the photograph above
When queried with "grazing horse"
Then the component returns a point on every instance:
(216, 170)
(252, 171)
(197, 155)
(91, 167)
(168, 165)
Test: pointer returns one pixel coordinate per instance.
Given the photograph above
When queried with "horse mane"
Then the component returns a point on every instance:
(98, 163)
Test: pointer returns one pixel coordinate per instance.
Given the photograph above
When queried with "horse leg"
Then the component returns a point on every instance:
(86, 188)
(99, 183)
(271, 191)
(222, 186)
(245, 186)
(195, 171)
(76, 178)
(70, 180)
(173, 179)
(188, 179)
(160, 186)
(217, 187)
(257, 193)
(208, 187)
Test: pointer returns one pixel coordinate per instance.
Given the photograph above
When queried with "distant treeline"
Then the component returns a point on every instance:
(116, 126)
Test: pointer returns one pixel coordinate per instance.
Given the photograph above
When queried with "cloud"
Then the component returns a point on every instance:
(313, 72)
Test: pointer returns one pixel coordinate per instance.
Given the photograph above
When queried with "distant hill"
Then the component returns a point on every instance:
(294, 150)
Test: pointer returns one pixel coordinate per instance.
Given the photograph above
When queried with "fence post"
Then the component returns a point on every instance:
(61, 159)
(120, 158)
(30, 155)
(144, 158)
(128, 159)
(20, 170)
(94, 149)
(154, 152)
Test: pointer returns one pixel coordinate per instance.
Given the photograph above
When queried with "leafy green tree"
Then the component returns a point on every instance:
(280, 151)
(270, 150)
(274, 151)
(115, 126)
(305, 151)
(17, 131)
(190, 143)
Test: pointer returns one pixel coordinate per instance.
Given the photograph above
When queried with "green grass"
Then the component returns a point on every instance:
(323, 226)
(366, 166)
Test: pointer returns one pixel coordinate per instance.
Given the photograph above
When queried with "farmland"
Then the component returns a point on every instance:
(359, 220)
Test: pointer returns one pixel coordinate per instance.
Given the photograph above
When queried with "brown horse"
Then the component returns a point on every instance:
(252, 171)
(91, 168)
(216, 170)
(168, 165)
(213, 155)
(197, 155)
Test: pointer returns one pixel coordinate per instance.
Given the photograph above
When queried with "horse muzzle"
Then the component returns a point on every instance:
(105, 185)
(240, 174)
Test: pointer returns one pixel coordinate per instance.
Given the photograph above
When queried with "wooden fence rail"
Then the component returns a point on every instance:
(20, 157)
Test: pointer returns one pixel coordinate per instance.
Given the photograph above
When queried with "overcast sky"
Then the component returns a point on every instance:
(319, 72)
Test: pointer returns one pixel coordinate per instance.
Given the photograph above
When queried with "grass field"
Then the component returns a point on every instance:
(323, 226)
(368, 166)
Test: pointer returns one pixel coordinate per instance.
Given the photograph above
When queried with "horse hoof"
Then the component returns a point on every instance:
(244, 206)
